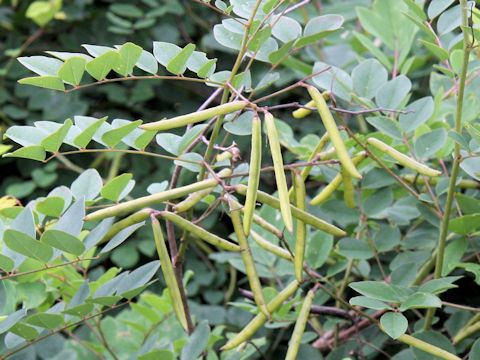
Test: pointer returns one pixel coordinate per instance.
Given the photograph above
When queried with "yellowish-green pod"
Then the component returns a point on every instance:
(427, 347)
(274, 142)
(333, 132)
(256, 323)
(146, 201)
(268, 246)
(191, 200)
(296, 338)
(403, 159)
(133, 219)
(247, 259)
(201, 233)
(348, 190)
(168, 273)
(462, 184)
(301, 112)
(307, 218)
(226, 155)
(328, 190)
(301, 229)
(315, 154)
(253, 175)
(192, 118)
(260, 221)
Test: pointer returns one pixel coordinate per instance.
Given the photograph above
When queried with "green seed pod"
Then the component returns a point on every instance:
(256, 323)
(333, 132)
(296, 212)
(301, 113)
(146, 201)
(183, 120)
(268, 246)
(247, 259)
(133, 219)
(253, 175)
(260, 221)
(348, 190)
(328, 190)
(301, 229)
(462, 184)
(226, 155)
(299, 329)
(191, 200)
(200, 232)
(168, 273)
(274, 142)
(403, 159)
(315, 153)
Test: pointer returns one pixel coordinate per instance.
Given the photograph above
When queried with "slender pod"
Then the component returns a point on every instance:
(328, 190)
(348, 190)
(146, 201)
(333, 132)
(427, 347)
(256, 323)
(314, 155)
(301, 229)
(200, 232)
(192, 118)
(301, 113)
(296, 338)
(133, 219)
(247, 259)
(191, 200)
(268, 246)
(260, 221)
(168, 272)
(296, 212)
(462, 184)
(274, 142)
(253, 175)
(403, 159)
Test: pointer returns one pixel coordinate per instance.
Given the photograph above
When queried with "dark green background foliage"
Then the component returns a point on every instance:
(393, 69)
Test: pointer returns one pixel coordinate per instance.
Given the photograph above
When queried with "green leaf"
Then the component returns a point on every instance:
(6, 264)
(377, 290)
(333, 79)
(468, 204)
(41, 65)
(84, 138)
(473, 268)
(436, 7)
(196, 343)
(372, 48)
(102, 65)
(438, 286)
(367, 77)
(465, 224)
(114, 188)
(207, 69)
(47, 82)
(429, 143)
(178, 64)
(394, 324)
(28, 246)
(279, 55)
(157, 354)
(319, 27)
(53, 141)
(475, 350)
(63, 241)
(369, 303)
(51, 206)
(147, 62)
(436, 50)
(354, 249)
(42, 12)
(420, 300)
(129, 56)
(286, 29)
(34, 152)
(417, 113)
(45, 320)
(115, 136)
(11, 320)
(88, 184)
(393, 93)
(72, 70)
